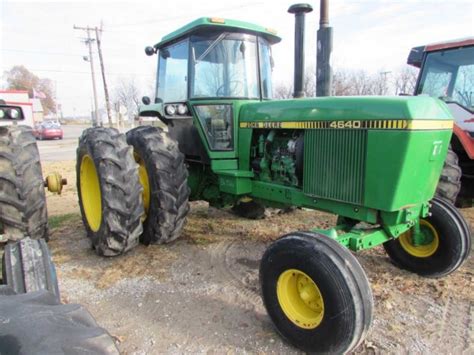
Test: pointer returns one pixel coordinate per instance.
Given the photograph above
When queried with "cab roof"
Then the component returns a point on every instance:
(415, 57)
(213, 23)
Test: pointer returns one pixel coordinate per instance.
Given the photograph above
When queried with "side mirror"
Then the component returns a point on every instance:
(146, 100)
(149, 51)
(11, 113)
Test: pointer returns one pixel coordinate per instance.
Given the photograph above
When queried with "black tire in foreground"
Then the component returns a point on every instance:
(447, 247)
(449, 183)
(27, 267)
(316, 293)
(34, 323)
(22, 197)
(163, 175)
(110, 194)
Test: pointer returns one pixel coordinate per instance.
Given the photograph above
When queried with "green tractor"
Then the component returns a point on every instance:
(373, 161)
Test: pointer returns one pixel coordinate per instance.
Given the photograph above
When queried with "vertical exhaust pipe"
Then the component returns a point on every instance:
(300, 11)
(323, 57)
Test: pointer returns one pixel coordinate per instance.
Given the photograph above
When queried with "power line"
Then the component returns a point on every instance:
(85, 72)
(40, 52)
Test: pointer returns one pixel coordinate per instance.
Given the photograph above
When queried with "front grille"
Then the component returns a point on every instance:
(334, 164)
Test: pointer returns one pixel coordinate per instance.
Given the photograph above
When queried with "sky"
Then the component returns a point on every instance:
(375, 36)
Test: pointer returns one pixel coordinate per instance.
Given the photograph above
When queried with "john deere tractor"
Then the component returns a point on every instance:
(373, 161)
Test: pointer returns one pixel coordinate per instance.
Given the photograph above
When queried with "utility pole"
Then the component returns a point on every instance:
(324, 48)
(106, 91)
(89, 41)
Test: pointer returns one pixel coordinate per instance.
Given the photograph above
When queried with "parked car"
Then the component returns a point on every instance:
(48, 130)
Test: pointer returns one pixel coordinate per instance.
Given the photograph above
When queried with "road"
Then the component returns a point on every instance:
(65, 149)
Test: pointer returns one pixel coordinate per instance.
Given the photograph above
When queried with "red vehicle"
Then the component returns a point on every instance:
(48, 130)
(447, 72)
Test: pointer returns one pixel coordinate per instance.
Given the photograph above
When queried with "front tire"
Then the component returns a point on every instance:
(22, 198)
(164, 177)
(316, 293)
(27, 267)
(448, 246)
(110, 194)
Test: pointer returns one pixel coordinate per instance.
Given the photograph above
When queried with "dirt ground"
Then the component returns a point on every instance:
(200, 294)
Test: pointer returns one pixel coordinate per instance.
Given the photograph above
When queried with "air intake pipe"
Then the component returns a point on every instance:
(300, 11)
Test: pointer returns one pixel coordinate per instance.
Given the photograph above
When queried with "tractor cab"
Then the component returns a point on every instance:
(447, 72)
(203, 69)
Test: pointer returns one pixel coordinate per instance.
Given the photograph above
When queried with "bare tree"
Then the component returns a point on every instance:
(405, 80)
(284, 90)
(127, 93)
(20, 78)
(354, 83)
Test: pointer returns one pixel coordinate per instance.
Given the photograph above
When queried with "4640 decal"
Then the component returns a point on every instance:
(353, 124)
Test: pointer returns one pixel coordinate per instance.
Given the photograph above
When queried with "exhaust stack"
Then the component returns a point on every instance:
(323, 57)
(300, 11)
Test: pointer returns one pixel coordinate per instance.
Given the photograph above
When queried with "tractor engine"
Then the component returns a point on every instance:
(278, 157)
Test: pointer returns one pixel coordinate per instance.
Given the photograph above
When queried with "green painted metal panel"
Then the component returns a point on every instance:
(238, 183)
(334, 164)
(208, 22)
(224, 164)
(347, 108)
(403, 167)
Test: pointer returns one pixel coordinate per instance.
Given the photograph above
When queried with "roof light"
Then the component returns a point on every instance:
(216, 20)
(271, 30)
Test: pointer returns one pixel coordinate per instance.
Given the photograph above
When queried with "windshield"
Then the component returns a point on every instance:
(449, 75)
(225, 65)
(172, 72)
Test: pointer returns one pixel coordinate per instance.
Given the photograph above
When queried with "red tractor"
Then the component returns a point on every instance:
(447, 72)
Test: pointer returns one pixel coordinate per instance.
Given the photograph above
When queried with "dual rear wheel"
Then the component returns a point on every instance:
(131, 188)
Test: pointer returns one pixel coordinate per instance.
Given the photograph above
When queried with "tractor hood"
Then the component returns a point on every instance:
(266, 114)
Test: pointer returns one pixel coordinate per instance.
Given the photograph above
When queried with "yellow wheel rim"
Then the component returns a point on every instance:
(424, 250)
(300, 299)
(143, 175)
(90, 193)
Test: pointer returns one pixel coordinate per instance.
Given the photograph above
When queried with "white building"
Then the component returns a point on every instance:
(21, 98)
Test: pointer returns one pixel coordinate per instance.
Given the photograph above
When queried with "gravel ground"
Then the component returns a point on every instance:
(201, 293)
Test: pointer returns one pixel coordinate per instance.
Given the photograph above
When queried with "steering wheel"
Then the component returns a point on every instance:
(234, 86)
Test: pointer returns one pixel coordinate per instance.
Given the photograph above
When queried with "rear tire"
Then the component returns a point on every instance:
(449, 183)
(451, 249)
(22, 198)
(334, 313)
(164, 177)
(110, 194)
(27, 267)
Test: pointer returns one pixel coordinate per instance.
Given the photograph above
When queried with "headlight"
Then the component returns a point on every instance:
(2, 113)
(182, 109)
(14, 113)
(170, 110)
